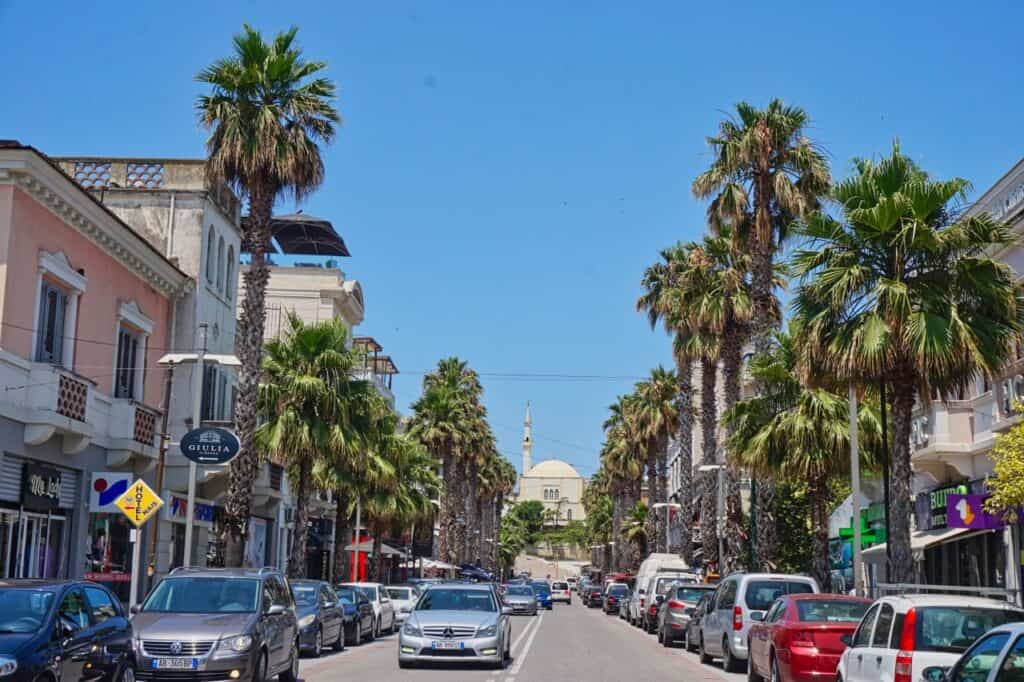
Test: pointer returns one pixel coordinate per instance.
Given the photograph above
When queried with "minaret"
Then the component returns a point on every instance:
(527, 442)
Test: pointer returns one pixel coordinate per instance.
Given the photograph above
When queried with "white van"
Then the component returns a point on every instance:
(654, 563)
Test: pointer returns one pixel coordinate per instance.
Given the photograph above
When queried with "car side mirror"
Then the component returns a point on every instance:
(846, 639)
(134, 609)
(659, 599)
(934, 674)
(756, 615)
(506, 610)
(276, 610)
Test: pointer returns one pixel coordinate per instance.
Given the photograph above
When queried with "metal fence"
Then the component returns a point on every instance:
(884, 589)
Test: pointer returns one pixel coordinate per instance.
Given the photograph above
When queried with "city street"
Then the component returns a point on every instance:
(566, 643)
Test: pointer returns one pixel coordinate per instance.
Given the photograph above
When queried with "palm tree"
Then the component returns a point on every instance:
(623, 465)
(304, 399)
(634, 531)
(661, 302)
(801, 435)
(268, 110)
(764, 174)
(902, 288)
(657, 417)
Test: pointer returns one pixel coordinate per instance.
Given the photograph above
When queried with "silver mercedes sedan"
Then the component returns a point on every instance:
(456, 624)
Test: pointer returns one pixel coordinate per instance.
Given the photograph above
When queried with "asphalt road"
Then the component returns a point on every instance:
(566, 643)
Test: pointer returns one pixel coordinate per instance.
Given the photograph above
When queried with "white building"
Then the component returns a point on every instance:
(553, 482)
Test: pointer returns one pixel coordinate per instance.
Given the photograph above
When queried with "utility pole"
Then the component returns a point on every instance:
(858, 582)
(165, 441)
(197, 421)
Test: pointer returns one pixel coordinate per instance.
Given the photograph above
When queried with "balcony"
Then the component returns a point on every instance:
(949, 440)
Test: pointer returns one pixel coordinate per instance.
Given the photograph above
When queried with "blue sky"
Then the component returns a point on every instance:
(507, 170)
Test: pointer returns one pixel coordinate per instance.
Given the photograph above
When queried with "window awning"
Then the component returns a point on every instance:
(920, 541)
(366, 547)
(302, 235)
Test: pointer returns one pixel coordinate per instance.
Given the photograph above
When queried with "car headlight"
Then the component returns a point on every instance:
(307, 620)
(411, 628)
(7, 666)
(239, 643)
(488, 631)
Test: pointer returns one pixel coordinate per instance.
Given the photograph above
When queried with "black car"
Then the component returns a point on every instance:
(63, 630)
(614, 596)
(321, 616)
(358, 610)
(594, 596)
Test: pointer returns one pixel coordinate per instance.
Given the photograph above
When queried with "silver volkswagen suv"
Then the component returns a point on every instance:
(208, 624)
(456, 623)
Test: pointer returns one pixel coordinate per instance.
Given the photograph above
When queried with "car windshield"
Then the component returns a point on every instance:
(346, 594)
(305, 595)
(456, 600)
(540, 587)
(559, 586)
(400, 593)
(954, 629)
(23, 610)
(368, 592)
(520, 591)
(664, 583)
(831, 610)
(204, 595)
(761, 593)
(689, 593)
(617, 590)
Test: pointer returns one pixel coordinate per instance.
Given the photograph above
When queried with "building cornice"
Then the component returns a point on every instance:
(51, 188)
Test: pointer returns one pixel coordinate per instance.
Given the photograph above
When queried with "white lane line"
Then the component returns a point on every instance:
(526, 631)
(521, 658)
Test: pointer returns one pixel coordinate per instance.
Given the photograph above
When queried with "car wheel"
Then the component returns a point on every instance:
(373, 632)
(702, 652)
(752, 675)
(773, 670)
(291, 674)
(359, 633)
(260, 673)
(127, 673)
(339, 644)
(318, 643)
(394, 625)
(730, 663)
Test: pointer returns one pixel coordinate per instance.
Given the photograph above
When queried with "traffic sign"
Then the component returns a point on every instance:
(209, 445)
(139, 503)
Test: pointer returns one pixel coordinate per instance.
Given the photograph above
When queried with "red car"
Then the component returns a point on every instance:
(799, 638)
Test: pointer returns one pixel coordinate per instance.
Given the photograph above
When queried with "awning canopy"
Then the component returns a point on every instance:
(919, 541)
(302, 235)
(366, 547)
(429, 564)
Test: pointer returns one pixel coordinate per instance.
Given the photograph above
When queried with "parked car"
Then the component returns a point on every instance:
(560, 592)
(321, 616)
(359, 618)
(996, 656)
(543, 592)
(573, 581)
(582, 585)
(456, 623)
(403, 598)
(693, 627)
(593, 597)
(217, 623)
(74, 630)
(800, 638)
(657, 585)
(675, 609)
(624, 604)
(900, 636)
(613, 595)
(740, 600)
(521, 599)
(383, 609)
(654, 564)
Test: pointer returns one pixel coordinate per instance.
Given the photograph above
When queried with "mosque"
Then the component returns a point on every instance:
(553, 482)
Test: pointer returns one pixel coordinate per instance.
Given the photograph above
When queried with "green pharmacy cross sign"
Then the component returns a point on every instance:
(868, 536)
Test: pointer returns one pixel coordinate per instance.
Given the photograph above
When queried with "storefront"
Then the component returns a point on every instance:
(38, 503)
(175, 512)
(108, 556)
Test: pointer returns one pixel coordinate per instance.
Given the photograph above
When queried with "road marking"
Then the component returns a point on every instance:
(526, 631)
(521, 658)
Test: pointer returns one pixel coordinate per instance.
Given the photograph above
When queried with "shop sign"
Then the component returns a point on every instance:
(139, 503)
(106, 488)
(968, 511)
(209, 445)
(937, 502)
(40, 487)
(109, 577)
(175, 510)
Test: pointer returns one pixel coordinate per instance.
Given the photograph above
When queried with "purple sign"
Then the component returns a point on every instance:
(968, 511)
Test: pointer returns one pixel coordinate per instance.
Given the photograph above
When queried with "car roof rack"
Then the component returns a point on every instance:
(269, 569)
(182, 569)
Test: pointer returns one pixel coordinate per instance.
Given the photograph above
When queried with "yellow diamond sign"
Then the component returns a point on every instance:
(139, 502)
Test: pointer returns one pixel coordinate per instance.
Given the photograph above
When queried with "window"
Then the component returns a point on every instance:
(326, 595)
(229, 278)
(727, 596)
(220, 265)
(216, 405)
(954, 630)
(211, 243)
(102, 606)
(568, 514)
(775, 612)
(73, 610)
(128, 373)
(761, 593)
(882, 626)
(977, 664)
(53, 304)
(863, 635)
(1012, 669)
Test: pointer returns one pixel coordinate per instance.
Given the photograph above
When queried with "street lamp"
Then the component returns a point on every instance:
(720, 508)
(667, 506)
(200, 358)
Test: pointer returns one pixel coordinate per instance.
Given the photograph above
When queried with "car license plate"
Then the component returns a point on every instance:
(448, 645)
(176, 663)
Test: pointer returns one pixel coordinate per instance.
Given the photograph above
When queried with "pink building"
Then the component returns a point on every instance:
(86, 309)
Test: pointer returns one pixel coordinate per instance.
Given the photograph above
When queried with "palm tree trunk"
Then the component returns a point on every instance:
(652, 494)
(297, 560)
(618, 505)
(445, 536)
(342, 534)
(378, 553)
(817, 497)
(709, 456)
(734, 533)
(684, 441)
(663, 515)
(249, 341)
(901, 506)
(461, 505)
